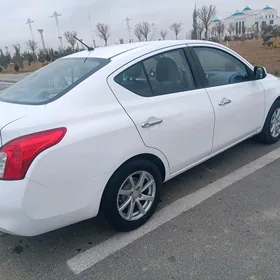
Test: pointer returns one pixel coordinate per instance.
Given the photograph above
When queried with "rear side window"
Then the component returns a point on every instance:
(165, 73)
(52, 81)
(135, 79)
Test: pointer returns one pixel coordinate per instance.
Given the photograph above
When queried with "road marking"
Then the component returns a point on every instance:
(92, 256)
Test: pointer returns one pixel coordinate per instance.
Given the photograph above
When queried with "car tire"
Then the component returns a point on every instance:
(267, 136)
(120, 189)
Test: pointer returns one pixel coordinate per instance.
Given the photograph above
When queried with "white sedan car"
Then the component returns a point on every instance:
(98, 132)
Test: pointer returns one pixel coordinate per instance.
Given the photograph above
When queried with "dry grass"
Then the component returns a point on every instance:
(259, 55)
(254, 52)
(26, 68)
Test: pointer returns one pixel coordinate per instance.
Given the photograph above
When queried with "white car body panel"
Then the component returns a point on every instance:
(237, 120)
(272, 91)
(65, 183)
(182, 114)
(73, 186)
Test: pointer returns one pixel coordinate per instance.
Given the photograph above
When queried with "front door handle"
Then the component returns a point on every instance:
(224, 101)
(151, 122)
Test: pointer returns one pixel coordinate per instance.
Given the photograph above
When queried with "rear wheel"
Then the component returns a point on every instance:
(132, 195)
(271, 130)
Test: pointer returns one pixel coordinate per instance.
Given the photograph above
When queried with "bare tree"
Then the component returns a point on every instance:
(255, 31)
(263, 26)
(17, 55)
(103, 32)
(194, 33)
(277, 27)
(200, 29)
(137, 32)
(144, 28)
(206, 15)
(163, 34)
(220, 27)
(176, 28)
(231, 28)
(32, 45)
(69, 36)
(213, 32)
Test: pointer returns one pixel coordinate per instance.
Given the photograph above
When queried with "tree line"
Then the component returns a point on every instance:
(202, 20)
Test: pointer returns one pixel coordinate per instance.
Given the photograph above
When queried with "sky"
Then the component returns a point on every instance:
(76, 13)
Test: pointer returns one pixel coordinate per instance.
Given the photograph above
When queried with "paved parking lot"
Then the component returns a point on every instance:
(231, 235)
(4, 85)
(12, 77)
(220, 220)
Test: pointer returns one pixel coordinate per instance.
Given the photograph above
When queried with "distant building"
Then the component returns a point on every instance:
(247, 21)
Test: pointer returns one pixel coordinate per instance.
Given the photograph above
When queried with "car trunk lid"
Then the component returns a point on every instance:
(10, 112)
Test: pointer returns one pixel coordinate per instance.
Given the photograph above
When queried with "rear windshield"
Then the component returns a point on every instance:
(52, 81)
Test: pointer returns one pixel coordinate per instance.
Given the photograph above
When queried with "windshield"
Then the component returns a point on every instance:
(52, 81)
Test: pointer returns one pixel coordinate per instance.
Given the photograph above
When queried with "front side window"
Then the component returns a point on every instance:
(52, 81)
(221, 68)
(165, 73)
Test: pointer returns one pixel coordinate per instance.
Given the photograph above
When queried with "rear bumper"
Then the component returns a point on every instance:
(21, 210)
(29, 209)
(11, 217)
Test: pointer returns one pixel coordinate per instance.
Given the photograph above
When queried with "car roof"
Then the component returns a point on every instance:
(109, 52)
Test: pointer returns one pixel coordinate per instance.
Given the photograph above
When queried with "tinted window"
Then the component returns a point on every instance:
(169, 72)
(135, 80)
(220, 67)
(161, 74)
(52, 81)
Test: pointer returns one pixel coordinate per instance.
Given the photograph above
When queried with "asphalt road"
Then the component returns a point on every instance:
(4, 85)
(12, 77)
(231, 233)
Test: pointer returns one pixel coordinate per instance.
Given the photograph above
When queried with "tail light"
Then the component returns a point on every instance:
(17, 155)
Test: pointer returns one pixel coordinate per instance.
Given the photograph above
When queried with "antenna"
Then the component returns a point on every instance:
(88, 48)
(55, 15)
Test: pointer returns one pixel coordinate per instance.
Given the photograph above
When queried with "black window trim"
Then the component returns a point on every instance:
(147, 78)
(250, 72)
(194, 69)
(188, 59)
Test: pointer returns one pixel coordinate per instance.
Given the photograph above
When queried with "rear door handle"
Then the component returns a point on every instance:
(150, 123)
(224, 101)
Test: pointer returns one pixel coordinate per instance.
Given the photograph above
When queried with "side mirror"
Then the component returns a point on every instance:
(259, 73)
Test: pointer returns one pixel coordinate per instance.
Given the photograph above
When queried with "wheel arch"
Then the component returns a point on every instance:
(144, 156)
(277, 99)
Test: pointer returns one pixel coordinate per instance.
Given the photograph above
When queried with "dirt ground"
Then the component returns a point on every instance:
(254, 52)
(259, 55)
(26, 68)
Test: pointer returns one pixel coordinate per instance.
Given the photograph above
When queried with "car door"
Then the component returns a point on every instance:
(238, 99)
(169, 109)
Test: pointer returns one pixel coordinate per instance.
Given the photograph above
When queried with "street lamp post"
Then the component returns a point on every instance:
(128, 28)
(42, 38)
(29, 22)
(55, 15)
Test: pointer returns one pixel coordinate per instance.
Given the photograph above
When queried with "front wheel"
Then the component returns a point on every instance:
(271, 130)
(132, 195)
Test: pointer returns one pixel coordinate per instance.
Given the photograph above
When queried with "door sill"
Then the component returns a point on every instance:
(210, 156)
